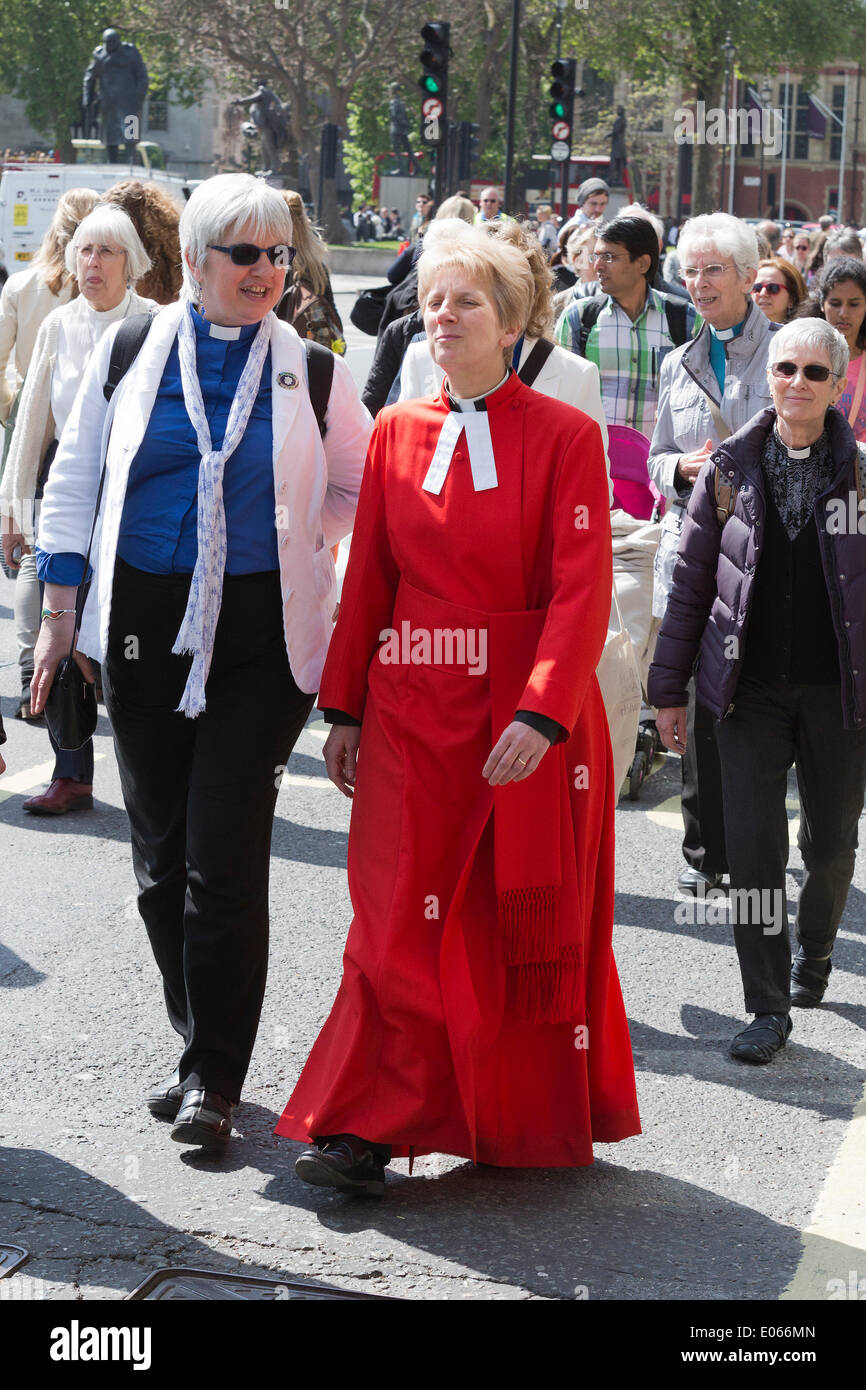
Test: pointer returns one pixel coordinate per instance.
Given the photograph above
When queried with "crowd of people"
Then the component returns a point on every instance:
(476, 485)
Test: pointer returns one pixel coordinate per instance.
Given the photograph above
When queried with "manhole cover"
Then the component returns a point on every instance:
(210, 1285)
(11, 1256)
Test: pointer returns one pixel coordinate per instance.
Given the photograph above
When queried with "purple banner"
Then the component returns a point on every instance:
(816, 122)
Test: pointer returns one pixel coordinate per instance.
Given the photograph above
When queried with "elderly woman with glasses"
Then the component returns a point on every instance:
(768, 596)
(211, 608)
(106, 258)
(708, 389)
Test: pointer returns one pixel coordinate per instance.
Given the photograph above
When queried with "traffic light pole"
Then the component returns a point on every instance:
(512, 101)
(564, 171)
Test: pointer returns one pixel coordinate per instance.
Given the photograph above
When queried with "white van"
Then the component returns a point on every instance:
(29, 194)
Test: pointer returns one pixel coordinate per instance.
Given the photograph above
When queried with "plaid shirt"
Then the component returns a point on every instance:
(628, 355)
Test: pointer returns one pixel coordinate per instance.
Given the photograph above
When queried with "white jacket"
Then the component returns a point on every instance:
(564, 376)
(26, 300)
(316, 483)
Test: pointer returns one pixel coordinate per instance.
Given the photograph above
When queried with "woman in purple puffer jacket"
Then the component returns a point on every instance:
(768, 606)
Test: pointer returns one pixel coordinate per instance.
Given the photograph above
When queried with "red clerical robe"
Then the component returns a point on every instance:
(458, 609)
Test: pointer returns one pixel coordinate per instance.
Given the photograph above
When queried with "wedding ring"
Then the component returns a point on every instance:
(523, 761)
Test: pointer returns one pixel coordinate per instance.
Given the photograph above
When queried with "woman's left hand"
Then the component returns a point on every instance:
(516, 754)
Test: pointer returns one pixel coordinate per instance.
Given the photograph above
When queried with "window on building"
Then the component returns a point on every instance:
(801, 126)
(157, 113)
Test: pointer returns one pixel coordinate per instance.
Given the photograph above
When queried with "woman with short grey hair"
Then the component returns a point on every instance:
(233, 464)
(708, 389)
(768, 594)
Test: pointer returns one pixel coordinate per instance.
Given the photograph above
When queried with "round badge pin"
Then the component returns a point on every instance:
(288, 380)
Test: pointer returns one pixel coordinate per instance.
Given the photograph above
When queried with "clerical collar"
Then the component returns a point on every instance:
(467, 404)
(795, 453)
(723, 334)
(227, 332)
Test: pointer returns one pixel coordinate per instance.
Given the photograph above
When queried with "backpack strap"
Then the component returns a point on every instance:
(535, 361)
(726, 497)
(320, 374)
(587, 322)
(675, 313)
(127, 344)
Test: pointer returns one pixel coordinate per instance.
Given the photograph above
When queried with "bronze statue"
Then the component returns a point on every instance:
(616, 171)
(115, 85)
(271, 120)
(398, 128)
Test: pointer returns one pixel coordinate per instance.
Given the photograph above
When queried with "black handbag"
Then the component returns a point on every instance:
(368, 308)
(70, 710)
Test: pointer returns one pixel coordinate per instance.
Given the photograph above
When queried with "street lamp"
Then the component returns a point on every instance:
(766, 96)
(729, 51)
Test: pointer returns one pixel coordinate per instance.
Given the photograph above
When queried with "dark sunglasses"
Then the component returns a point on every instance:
(770, 288)
(245, 253)
(801, 246)
(813, 371)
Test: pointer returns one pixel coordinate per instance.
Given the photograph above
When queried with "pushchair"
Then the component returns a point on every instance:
(635, 525)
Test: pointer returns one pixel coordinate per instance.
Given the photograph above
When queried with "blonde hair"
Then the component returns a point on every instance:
(50, 260)
(309, 262)
(496, 265)
(539, 323)
(457, 207)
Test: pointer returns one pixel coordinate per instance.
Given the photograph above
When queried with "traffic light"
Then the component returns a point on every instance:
(434, 81)
(563, 73)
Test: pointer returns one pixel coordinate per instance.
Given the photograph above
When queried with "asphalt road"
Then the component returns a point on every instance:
(746, 1182)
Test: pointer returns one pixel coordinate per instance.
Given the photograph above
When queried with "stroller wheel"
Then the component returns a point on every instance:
(636, 774)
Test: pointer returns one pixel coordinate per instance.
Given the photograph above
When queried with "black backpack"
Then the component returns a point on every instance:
(675, 313)
(133, 331)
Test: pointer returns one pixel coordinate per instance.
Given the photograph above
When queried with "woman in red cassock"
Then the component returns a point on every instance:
(480, 1011)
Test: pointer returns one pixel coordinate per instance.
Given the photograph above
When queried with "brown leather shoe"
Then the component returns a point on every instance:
(64, 794)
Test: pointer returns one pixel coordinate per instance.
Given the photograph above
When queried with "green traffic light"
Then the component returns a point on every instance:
(431, 84)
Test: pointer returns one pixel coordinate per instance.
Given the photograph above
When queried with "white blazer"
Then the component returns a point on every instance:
(316, 483)
(564, 376)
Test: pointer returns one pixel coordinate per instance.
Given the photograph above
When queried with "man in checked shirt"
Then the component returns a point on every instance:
(630, 328)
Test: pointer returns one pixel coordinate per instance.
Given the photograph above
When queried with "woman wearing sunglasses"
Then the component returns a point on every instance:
(210, 609)
(840, 298)
(768, 596)
(778, 290)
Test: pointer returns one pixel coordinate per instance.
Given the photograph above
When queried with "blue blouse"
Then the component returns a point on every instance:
(158, 525)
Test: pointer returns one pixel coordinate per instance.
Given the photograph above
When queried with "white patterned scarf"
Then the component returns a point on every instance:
(197, 631)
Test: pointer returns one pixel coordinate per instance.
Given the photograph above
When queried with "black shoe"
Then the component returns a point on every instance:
(347, 1163)
(697, 882)
(204, 1118)
(166, 1098)
(809, 976)
(766, 1035)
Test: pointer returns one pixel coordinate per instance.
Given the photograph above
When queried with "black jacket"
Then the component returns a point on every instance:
(390, 351)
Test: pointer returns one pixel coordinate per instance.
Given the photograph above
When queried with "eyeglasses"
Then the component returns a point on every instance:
(770, 287)
(605, 257)
(801, 246)
(245, 253)
(813, 371)
(712, 272)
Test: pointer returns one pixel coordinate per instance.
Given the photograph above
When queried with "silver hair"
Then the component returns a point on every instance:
(221, 205)
(723, 234)
(106, 224)
(812, 333)
(638, 210)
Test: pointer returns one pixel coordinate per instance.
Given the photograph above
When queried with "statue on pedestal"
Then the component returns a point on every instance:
(398, 129)
(271, 120)
(618, 157)
(115, 85)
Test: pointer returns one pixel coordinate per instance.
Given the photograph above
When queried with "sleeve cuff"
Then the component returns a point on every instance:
(60, 569)
(338, 716)
(542, 725)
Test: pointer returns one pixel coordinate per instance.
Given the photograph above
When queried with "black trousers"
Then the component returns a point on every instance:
(772, 727)
(200, 795)
(703, 815)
